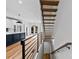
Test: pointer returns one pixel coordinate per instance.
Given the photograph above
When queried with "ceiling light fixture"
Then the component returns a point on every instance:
(20, 1)
(18, 22)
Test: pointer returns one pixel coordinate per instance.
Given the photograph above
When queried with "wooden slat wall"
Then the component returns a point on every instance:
(14, 51)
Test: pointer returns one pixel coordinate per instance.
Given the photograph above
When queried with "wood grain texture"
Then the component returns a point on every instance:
(14, 51)
(54, 3)
(46, 56)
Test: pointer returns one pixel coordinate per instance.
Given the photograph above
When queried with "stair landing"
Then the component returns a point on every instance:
(46, 56)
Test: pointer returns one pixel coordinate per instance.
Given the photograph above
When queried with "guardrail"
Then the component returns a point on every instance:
(30, 46)
(65, 45)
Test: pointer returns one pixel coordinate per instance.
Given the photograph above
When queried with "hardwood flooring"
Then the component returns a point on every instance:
(46, 56)
(14, 51)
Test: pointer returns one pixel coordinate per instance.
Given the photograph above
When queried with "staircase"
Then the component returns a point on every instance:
(49, 9)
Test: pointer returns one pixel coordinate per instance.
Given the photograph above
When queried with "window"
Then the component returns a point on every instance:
(7, 29)
(36, 29)
(14, 28)
(20, 29)
(32, 29)
(26, 31)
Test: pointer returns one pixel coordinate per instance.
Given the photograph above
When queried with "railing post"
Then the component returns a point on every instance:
(23, 49)
(37, 42)
(41, 37)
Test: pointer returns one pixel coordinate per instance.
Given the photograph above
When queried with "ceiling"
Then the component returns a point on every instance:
(29, 10)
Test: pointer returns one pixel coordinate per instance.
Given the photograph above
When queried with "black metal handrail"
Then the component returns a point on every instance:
(65, 45)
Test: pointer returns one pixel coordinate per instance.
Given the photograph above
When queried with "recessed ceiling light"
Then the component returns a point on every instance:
(20, 1)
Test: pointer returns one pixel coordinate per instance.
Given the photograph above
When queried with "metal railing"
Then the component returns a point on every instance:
(65, 45)
(30, 46)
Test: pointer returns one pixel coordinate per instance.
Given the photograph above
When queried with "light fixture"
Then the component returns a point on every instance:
(18, 22)
(20, 1)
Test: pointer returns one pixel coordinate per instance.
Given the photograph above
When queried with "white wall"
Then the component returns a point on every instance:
(47, 47)
(41, 52)
(63, 28)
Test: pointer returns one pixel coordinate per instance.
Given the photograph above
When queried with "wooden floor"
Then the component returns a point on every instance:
(14, 51)
(46, 56)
